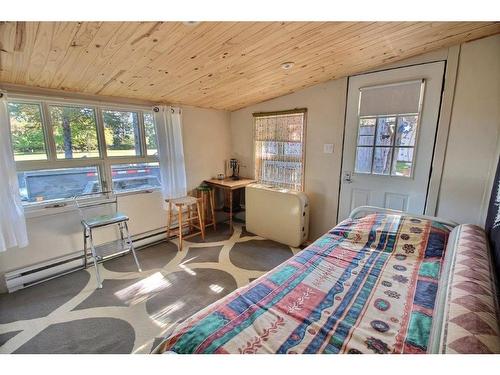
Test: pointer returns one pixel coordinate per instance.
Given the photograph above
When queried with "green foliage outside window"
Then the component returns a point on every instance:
(74, 129)
(27, 131)
(150, 130)
(122, 128)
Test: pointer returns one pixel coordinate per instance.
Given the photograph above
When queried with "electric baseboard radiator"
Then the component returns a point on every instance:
(44, 271)
(277, 214)
(31, 275)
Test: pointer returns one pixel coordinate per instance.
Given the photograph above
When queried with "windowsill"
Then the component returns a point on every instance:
(56, 207)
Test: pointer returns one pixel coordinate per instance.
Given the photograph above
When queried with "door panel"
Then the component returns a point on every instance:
(360, 197)
(391, 122)
(396, 201)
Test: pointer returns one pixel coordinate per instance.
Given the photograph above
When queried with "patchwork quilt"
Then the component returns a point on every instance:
(367, 286)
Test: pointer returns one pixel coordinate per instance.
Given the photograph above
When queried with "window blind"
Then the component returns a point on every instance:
(390, 99)
(279, 148)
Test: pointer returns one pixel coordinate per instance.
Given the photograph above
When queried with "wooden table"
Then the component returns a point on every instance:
(229, 185)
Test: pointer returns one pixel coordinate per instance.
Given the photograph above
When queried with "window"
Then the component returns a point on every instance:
(131, 177)
(28, 139)
(75, 132)
(386, 145)
(49, 184)
(81, 148)
(279, 148)
(388, 127)
(121, 131)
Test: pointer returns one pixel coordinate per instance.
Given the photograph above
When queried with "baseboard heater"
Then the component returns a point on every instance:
(44, 271)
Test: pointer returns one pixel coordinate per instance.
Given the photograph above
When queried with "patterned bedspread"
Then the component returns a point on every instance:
(367, 286)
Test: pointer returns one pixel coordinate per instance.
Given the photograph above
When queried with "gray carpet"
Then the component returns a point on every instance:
(69, 315)
(193, 293)
(40, 300)
(4, 337)
(95, 335)
(261, 255)
(151, 258)
(108, 295)
(204, 254)
(221, 234)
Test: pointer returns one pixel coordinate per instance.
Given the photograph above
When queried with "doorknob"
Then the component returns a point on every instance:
(348, 177)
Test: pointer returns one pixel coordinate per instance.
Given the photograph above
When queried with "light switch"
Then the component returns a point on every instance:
(328, 148)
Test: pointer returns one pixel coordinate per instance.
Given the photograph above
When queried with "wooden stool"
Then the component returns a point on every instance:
(207, 195)
(181, 204)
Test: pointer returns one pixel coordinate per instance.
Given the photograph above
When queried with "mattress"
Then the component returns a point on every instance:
(367, 286)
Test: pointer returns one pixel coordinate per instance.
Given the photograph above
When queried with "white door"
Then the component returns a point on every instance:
(391, 121)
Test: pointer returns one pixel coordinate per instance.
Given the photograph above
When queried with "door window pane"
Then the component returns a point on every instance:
(403, 162)
(407, 130)
(381, 138)
(382, 160)
(385, 131)
(50, 184)
(75, 132)
(150, 130)
(140, 176)
(364, 160)
(366, 131)
(28, 141)
(121, 131)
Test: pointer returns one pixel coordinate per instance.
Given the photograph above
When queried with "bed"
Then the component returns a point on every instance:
(375, 283)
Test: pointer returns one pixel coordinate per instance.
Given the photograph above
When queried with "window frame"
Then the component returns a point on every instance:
(141, 130)
(302, 111)
(50, 125)
(392, 146)
(103, 162)
(43, 119)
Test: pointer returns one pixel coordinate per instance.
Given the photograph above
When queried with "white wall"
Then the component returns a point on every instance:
(207, 143)
(472, 150)
(325, 124)
(325, 105)
(206, 146)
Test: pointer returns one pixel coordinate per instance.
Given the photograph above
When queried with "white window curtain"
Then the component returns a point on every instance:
(168, 122)
(12, 222)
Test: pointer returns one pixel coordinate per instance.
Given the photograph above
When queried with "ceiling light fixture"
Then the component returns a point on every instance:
(287, 65)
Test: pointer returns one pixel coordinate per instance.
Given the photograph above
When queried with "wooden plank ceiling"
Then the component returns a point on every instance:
(222, 65)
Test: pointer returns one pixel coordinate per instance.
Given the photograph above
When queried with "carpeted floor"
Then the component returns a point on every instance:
(68, 315)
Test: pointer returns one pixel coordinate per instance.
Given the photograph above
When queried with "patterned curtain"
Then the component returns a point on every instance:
(279, 149)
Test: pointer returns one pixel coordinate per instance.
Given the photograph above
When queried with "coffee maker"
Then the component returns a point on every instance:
(234, 164)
